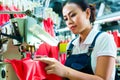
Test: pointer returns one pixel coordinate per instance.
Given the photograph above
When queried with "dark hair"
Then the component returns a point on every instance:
(83, 4)
(57, 7)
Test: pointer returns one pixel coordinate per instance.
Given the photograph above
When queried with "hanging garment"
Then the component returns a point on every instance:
(115, 35)
(14, 8)
(3, 17)
(118, 41)
(48, 25)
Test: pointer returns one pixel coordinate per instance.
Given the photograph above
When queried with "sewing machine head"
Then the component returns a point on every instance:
(16, 33)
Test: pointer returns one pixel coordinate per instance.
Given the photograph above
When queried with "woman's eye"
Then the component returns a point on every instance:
(65, 19)
(72, 15)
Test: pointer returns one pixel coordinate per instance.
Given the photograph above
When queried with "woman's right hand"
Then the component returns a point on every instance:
(54, 66)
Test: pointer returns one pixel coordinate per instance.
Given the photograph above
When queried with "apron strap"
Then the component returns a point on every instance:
(69, 50)
(93, 43)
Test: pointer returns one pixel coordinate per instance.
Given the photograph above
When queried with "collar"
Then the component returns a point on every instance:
(89, 39)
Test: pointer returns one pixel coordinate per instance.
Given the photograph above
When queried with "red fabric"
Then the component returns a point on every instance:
(54, 52)
(1, 8)
(44, 49)
(115, 35)
(28, 69)
(118, 41)
(17, 65)
(14, 8)
(47, 50)
(33, 70)
(48, 25)
(5, 17)
(63, 58)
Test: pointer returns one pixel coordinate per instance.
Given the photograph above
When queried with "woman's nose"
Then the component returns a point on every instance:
(70, 21)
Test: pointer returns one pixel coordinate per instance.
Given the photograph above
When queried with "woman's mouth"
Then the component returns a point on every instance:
(72, 27)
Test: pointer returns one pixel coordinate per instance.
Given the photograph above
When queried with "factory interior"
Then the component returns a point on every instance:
(36, 27)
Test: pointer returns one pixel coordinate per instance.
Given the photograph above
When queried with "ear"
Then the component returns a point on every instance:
(88, 13)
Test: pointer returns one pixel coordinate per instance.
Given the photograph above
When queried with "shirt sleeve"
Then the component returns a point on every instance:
(105, 45)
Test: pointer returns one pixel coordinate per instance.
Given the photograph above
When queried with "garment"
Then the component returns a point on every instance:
(48, 50)
(3, 17)
(104, 45)
(28, 69)
(49, 26)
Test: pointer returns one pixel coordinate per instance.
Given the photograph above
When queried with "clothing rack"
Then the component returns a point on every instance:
(27, 12)
(12, 12)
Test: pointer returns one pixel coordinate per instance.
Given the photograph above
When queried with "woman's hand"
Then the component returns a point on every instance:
(54, 66)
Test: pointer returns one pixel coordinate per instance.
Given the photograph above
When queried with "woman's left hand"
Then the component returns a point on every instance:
(54, 66)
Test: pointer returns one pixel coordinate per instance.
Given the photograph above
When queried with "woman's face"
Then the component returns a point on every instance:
(76, 19)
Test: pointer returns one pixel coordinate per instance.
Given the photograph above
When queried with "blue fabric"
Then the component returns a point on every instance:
(77, 61)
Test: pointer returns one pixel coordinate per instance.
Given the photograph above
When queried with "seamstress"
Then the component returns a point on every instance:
(100, 62)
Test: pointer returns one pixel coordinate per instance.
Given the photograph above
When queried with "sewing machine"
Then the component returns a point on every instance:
(10, 44)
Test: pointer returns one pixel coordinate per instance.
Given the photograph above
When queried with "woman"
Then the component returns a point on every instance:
(79, 17)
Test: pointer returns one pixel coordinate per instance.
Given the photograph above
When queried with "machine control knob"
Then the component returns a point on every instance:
(3, 74)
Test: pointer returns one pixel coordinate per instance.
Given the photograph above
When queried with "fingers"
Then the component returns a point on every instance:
(46, 60)
(53, 65)
(40, 56)
(50, 69)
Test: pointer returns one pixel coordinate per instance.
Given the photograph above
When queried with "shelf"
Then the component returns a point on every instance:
(108, 18)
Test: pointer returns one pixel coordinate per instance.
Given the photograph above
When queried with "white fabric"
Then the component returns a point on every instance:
(104, 45)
